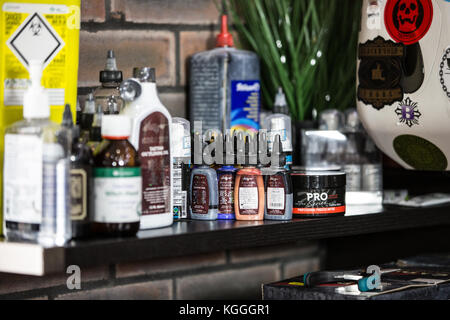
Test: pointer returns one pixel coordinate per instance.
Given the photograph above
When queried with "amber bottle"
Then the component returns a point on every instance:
(117, 180)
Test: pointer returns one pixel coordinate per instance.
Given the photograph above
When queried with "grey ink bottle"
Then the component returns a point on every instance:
(278, 185)
(203, 190)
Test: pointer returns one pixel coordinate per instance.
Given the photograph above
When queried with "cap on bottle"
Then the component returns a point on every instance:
(111, 74)
(67, 120)
(35, 101)
(116, 127)
(224, 38)
(280, 105)
(352, 122)
(331, 119)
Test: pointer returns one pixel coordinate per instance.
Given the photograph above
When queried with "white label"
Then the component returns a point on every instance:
(23, 178)
(248, 198)
(275, 198)
(117, 200)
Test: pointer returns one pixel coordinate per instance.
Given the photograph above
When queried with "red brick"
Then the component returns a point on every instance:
(93, 10)
(163, 11)
(161, 289)
(243, 283)
(170, 264)
(192, 42)
(296, 268)
(133, 48)
(175, 103)
(272, 252)
(10, 283)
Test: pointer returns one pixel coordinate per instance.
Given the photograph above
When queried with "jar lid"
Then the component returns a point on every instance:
(318, 179)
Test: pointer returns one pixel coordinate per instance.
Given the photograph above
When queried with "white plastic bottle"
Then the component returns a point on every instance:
(36, 171)
(150, 135)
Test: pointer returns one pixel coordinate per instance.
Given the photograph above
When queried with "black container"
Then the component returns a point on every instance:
(318, 193)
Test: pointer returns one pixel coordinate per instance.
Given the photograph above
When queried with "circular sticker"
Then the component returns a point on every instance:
(407, 21)
(419, 153)
(444, 72)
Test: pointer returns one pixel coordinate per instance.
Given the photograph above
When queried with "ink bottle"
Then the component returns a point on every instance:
(204, 191)
(81, 195)
(278, 185)
(117, 180)
(249, 187)
(226, 176)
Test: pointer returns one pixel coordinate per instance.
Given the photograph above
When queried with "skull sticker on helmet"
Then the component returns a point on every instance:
(407, 21)
(407, 15)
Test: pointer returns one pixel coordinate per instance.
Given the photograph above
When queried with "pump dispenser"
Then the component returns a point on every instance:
(150, 135)
(35, 101)
(36, 171)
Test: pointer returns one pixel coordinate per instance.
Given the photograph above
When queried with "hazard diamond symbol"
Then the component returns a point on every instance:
(35, 39)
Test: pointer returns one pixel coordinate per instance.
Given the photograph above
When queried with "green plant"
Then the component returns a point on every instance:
(307, 47)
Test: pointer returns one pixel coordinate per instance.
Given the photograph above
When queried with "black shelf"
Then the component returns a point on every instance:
(192, 237)
(195, 237)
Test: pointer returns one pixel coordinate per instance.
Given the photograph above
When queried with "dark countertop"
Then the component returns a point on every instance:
(191, 237)
(194, 237)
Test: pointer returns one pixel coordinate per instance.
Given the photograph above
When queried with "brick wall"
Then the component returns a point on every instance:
(219, 275)
(156, 33)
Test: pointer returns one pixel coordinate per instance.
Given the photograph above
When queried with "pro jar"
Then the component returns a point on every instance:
(318, 193)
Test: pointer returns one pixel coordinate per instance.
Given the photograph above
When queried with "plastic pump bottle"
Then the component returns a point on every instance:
(36, 171)
(150, 135)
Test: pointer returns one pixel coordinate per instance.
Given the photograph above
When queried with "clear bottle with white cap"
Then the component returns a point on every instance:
(279, 123)
(117, 180)
(36, 171)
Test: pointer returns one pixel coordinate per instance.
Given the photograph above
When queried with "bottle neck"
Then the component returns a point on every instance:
(110, 84)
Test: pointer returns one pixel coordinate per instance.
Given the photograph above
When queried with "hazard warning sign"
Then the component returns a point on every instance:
(35, 39)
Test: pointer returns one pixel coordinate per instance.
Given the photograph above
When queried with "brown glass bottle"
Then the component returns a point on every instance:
(117, 180)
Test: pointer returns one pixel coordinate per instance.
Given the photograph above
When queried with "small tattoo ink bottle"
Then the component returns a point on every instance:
(279, 196)
(204, 192)
(226, 176)
(249, 186)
